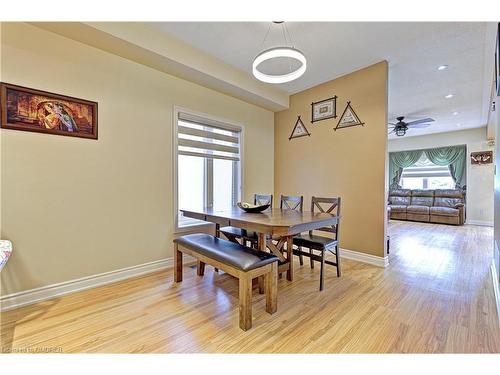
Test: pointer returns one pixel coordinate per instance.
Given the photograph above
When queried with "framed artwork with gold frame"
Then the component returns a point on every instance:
(32, 110)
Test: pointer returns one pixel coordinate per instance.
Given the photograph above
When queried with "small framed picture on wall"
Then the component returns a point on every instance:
(324, 109)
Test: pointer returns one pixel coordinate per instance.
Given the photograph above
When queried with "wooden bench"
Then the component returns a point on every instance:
(237, 260)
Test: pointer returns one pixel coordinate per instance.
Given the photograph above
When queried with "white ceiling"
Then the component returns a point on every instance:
(413, 50)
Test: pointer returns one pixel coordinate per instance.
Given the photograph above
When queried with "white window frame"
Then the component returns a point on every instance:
(230, 125)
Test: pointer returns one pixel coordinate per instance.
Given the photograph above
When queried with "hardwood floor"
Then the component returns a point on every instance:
(436, 296)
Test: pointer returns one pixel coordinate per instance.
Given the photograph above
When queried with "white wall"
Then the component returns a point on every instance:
(479, 177)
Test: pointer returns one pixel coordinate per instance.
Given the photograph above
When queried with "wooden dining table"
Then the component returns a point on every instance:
(275, 228)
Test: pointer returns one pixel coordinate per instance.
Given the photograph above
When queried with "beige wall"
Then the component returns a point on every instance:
(75, 207)
(479, 177)
(349, 163)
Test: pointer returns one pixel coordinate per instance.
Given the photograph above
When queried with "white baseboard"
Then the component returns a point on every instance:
(494, 275)
(364, 258)
(480, 222)
(28, 297)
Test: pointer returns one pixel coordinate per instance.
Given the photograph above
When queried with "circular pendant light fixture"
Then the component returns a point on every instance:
(279, 52)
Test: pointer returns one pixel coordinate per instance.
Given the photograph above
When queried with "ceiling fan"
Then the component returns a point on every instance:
(401, 127)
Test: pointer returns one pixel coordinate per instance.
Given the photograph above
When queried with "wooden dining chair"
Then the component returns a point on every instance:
(241, 235)
(295, 203)
(290, 202)
(321, 243)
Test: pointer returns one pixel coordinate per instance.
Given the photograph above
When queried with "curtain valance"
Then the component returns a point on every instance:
(453, 156)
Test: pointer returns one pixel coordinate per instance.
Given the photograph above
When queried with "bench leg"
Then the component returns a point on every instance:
(261, 284)
(245, 302)
(272, 289)
(200, 270)
(177, 264)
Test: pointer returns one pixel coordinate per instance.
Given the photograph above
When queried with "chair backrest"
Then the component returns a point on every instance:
(262, 199)
(329, 206)
(290, 202)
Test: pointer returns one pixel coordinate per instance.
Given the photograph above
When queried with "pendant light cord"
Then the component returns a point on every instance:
(285, 31)
(265, 37)
(289, 35)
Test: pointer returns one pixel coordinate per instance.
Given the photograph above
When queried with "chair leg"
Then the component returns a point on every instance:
(301, 258)
(245, 303)
(261, 284)
(272, 289)
(337, 260)
(178, 264)
(200, 270)
(322, 271)
(311, 260)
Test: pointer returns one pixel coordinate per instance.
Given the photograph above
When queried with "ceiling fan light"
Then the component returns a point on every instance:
(400, 132)
(275, 53)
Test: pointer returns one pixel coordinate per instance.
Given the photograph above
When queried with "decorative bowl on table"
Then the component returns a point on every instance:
(252, 208)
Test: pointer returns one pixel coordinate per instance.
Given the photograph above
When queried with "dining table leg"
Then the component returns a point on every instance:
(217, 234)
(261, 245)
(289, 251)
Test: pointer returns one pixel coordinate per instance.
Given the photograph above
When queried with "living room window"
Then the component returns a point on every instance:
(207, 165)
(426, 175)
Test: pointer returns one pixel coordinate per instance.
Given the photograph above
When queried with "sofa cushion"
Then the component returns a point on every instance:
(400, 192)
(420, 210)
(402, 201)
(422, 201)
(422, 197)
(444, 211)
(447, 202)
(449, 193)
(448, 198)
(398, 208)
(422, 193)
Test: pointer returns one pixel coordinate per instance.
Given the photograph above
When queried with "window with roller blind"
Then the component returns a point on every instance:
(426, 175)
(207, 164)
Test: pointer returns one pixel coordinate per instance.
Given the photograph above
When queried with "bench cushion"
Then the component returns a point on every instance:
(226, 252)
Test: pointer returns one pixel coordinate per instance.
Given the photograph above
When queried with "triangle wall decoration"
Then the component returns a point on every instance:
(349, 118)
(299, 130)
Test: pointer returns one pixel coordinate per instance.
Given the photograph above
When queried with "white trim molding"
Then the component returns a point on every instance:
(484, 223)
(28, 297)
(494, 276)
(364, 258)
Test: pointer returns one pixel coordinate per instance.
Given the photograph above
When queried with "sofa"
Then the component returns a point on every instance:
(446, 206)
